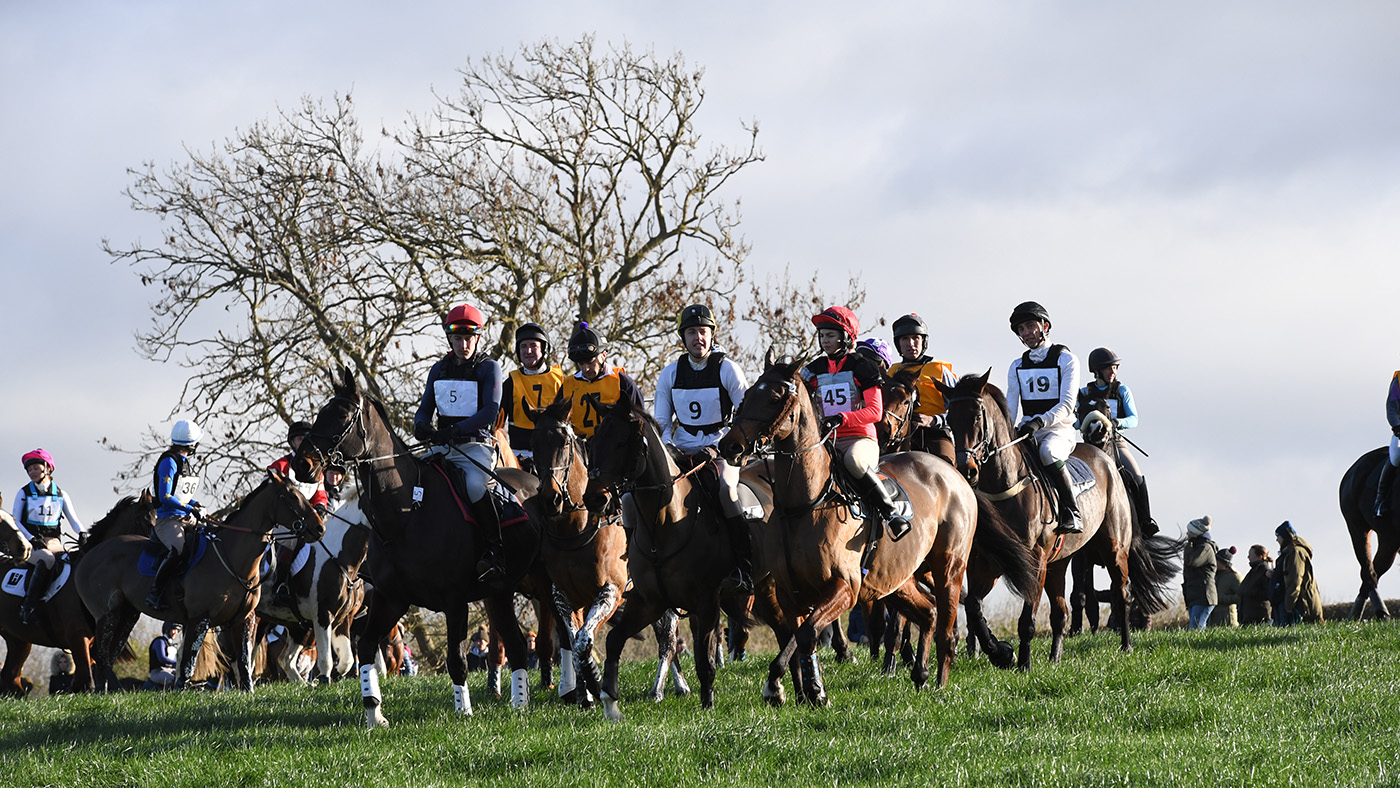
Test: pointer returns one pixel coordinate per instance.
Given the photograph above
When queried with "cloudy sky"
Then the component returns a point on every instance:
(1212, 192)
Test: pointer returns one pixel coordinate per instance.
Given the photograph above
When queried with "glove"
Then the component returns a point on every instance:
(830, 423)
(82, 540)
(707, 454)
(197, 510)
(1030, 427)
(424, 431)
(321, 510)
(38, 543)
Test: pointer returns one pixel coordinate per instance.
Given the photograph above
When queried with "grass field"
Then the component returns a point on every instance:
(1306, 706)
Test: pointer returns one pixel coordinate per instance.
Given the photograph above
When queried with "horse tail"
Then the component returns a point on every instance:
(1153, 561)
(996, 542)
(211, 662)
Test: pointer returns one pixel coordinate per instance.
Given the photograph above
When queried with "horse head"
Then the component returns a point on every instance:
(769, 411)
(338, 431)
(291, 509)
(558, 454)
(1097, 426)
(619, 450)
(971, 423)
(900, 393)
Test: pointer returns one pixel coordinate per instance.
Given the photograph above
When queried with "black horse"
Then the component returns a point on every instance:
(1357, 495)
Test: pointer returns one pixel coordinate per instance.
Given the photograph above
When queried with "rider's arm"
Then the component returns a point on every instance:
(427, 406)
(1013, 392)
(165, 487)
(1392, 402)
(507, 402)
(661, 406)
(1069, 390)
(734, 382)
(488, 388)
(70, 516)
(874, 408)
(628, 388)
(1125, 401)
(19, 514)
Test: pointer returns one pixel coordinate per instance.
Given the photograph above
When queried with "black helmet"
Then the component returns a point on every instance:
(585, 344)
(299, 429)
(171, 626)
(1101, 357)
(1028, 310)
(911, 325)
(695, 315)
(532, 331)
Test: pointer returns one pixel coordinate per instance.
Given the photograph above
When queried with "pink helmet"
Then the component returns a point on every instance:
(38, 455)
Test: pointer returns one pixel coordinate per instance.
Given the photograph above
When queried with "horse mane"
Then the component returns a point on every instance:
(906, 378)
(967, 383)
(243, 502)
(640, 412)
(98, 531)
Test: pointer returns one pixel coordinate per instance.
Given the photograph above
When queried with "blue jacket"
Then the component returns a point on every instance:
(480, 422)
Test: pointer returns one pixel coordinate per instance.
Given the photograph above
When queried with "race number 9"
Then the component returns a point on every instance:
(695, 410)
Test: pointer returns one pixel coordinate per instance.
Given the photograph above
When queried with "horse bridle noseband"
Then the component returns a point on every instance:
(568, 467)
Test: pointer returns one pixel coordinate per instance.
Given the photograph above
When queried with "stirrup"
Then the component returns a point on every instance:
(738, 580)
(489, 571)
(899, 527)
(1075, 525)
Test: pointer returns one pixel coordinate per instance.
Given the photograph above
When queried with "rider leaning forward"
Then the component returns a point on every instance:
(848, 385)
(535, 383)
(1106, 391)
(176, 484)
(464, 392)
(699, 390)
(41, 510)
(911, 340)
(596, 386)
(1043, 383)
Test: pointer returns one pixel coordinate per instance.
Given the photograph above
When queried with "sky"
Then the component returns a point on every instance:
(1212, 190)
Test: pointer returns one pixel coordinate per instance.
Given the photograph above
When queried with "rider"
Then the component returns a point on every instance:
(596, 386)
(1392, 414)
(315, 492)
(176, 484)
(536, 379)
(464, 391)
(163, 657)
(700, 389)
(911, 339)
(1043, 382)
(849, 387)
(41, 509)
(1105, 389)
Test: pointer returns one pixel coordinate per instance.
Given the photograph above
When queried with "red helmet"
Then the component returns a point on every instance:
(839, 318)
(464, 319)
(38, 455)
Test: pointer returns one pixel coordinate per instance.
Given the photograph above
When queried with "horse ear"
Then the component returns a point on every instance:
(531, 411)
(146, 497)
(768, 358)
(276, 476)
(349, 378)
(986, 376)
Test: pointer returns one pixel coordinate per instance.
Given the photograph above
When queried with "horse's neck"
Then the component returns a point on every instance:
(660, 496)
(383, 473)
(801, 470)
(243, 548)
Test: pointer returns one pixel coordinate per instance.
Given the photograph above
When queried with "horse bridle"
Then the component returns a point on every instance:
(563, 484)
(766, 436)
(903, 429)
(297, 529)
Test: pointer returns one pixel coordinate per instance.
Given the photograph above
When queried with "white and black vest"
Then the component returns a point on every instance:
(1040, 382)
(42, 510)
(701, 402)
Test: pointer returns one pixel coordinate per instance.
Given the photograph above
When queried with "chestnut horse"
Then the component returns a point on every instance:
(1001, 467)
(221, 590)
(63, 622)
(421, 548)
(1357, 495)
(808, 557)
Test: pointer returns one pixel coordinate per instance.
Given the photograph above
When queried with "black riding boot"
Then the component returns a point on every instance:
(39, 578)
(741, 548)
(1383, 489)
(489, 568)
(1070, 520)
(155, 599)
(877, 500)
(1149, 525)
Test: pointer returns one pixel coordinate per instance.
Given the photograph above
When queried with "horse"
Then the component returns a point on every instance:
(1357, 496)
(422, 546)
(1006, 471)
(678, 553)
(63, 622)
(809, 555)
(221, 590)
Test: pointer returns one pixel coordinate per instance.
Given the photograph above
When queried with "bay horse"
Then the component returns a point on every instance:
(678, 551)
(221, 590)
(421, 547)
(1357, 496)
(1005, 470)
(63, 622)
(808, 557)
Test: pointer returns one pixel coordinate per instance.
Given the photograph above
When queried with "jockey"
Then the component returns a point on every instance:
(464, 391)
(596, 386)
(176, 484)
(849, 387)
(700, 390)
(163, 657)
(1042, 383)
(878, 351)
(334, 479)
(538, 383)
(1392, 414)
(315, 492)
(1105, 389)
(911, 339)
(41, 510)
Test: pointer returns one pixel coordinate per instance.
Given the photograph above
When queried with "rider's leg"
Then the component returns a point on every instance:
(490, 567)
(1387, 478)
(861, 458)
(736, 524)
(42, 573)
(170, 534)
(1055, 448)
(1137, 485)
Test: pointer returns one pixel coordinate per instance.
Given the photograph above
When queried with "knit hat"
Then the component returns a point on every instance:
(1198, 526)
(1286, 529)
(1225, 554)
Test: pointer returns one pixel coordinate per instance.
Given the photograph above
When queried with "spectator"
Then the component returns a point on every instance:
(1227, 591)
(477, 655)
(1198, 573)
(533, 663)
(163, 658)
(1254, 589)
(1301, 600)
(61, 672)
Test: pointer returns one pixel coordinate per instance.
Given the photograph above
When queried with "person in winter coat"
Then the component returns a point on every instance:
(1254, 588)
(1301, 599)
(1198, 573)
(1227, 591)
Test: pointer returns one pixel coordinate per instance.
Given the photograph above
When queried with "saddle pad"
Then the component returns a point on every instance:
(299, 563)
(902, 505)
(16, 579)
(149, 559)
(1081, 477)
(512, 513)
(752, 499)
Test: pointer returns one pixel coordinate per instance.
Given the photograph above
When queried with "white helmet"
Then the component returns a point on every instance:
(185, 433)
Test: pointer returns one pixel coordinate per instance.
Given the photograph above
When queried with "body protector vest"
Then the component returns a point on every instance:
(930, 398)
(591, 399)
(537, 390)
(1092, 396)
(1040, 382)
(698, 396)
(838, 390)
(42, 510)
(185, 486)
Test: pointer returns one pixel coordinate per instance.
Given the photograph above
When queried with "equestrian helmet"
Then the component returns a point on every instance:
(298, 429)
(185, 433)
(585, 344)
(911, 325)
(877, 350)
(1102, 358)
(695, 315)
(37, 456)
(1028, 310)
(463, 320)
(839, 318)
(532, 331)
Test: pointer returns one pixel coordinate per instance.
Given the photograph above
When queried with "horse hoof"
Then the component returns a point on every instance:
(373, 719)
(920, 678)
(1002, 658)
(610, 709)
(773, 695)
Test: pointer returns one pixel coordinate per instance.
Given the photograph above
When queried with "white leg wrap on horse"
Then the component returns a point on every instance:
(519, 688)
(369, 683)
(567, 677)
(462, 698)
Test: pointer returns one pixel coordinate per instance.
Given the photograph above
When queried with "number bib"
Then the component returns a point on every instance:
(43, 511)
(838, 393)
(697, 407)
(1039, 384)
(186, 488)
(455, 398)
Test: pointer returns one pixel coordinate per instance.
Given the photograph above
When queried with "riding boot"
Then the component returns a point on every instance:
(489, 568)
(1383, 489)
(39, 578)
(877, 499)
(1070, 520)
(155, 599)
(1149, 525)
(742, 550)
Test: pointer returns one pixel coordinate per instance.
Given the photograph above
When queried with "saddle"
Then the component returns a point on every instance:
(196, 545)
(512, 513)
(848, 493)
(16, 580)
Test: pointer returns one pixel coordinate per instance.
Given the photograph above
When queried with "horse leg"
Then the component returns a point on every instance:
(1055, 590)
(603, 606)
(637, 613)
(839, 643)
(981, 578)
(1386, 546)
(500, 608)
(326, 643)
(16, 652)
(82, 665)
(1082, 570)
(912, 603)
(1121, 592)
(244, 632)
(544, 643)
(189, 651)
(384, 612)
(113, 629)
(666, 629)
(702, 631)
(874, 613)
(838, 598)
(568, 661)
(456, 617)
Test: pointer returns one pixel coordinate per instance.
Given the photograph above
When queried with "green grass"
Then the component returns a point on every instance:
(1307, 706)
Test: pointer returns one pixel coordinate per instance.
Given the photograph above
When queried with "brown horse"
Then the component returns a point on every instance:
(808, 557)
(63, 622)
(219, 591)
(678, 553)
(1357, 496)
(988, 457)
(422, 544)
